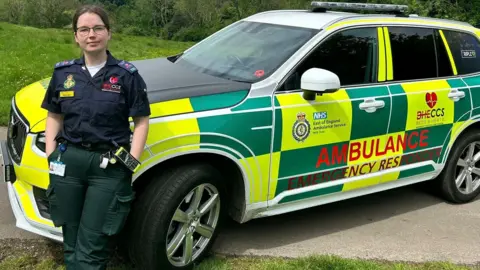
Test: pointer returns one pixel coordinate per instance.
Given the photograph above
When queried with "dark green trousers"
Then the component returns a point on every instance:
(91, 205)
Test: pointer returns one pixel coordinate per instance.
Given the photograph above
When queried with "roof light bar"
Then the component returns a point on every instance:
(386, 8)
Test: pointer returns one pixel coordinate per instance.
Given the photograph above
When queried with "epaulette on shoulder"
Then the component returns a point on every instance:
(128, 66)
(65, 63)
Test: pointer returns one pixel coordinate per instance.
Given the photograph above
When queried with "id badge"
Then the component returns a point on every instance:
(57, 168)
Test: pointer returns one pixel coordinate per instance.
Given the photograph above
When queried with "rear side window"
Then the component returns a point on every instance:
(413, 53)
(465, 51)
(444, 66)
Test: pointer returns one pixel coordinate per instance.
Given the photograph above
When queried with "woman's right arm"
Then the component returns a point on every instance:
(53, 126)
(54, 120)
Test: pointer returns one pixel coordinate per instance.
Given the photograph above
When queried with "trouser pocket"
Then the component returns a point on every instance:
(55, 211)
(117, 214)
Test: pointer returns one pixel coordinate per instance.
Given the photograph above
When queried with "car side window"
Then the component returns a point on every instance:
(465, 51)
(413, 53)
(443, 61)
(350, 54)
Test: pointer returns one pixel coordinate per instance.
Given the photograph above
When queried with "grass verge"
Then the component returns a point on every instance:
(43, 255)
(28, 55)
(255, 263)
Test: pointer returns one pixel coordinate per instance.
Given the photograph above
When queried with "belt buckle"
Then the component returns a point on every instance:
(86, 145)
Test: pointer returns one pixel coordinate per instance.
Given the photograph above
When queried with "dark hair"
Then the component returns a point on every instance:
(90, 9)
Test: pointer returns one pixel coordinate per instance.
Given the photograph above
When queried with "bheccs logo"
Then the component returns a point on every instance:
(431, 100)
(113, 80)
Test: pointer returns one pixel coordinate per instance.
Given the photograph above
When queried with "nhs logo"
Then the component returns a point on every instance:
(319, 115)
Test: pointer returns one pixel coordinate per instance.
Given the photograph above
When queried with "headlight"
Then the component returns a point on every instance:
(40, 141)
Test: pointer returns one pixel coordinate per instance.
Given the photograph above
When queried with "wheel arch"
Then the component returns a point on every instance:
(237, 184)
(469, 125)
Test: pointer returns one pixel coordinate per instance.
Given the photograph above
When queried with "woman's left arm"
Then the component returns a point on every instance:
(140, 133)
(139, 110)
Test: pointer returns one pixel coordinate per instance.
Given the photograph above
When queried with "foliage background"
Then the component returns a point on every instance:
(192, 20)
(28, 54)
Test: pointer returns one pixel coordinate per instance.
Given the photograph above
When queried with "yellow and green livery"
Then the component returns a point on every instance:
(278, 112)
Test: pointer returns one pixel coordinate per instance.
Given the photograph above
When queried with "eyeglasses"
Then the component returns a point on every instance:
(99, 29)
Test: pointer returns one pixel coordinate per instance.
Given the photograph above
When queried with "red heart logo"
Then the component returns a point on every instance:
(431, 99)
(113, 80)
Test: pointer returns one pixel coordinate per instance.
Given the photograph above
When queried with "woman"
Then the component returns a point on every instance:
(89, 102)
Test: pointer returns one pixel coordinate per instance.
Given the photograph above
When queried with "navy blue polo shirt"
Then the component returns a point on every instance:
(96, 109)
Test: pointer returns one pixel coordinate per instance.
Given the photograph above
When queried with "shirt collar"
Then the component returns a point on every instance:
(111, 61)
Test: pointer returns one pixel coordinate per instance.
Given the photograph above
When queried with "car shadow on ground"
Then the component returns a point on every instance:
(295, 227)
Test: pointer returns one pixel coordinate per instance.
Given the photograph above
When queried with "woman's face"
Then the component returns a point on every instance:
(91, 40)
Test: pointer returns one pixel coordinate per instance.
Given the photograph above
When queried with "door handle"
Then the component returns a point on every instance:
(456, 95)
(370, 105)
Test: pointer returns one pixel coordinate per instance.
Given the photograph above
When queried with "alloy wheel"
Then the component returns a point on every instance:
(193, 225)
(468, 170)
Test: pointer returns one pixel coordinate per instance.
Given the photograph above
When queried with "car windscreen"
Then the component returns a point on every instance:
(247, 51)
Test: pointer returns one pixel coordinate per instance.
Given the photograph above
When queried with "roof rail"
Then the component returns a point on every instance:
(318, 6)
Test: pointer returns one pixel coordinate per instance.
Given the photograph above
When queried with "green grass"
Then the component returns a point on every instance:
(255, 263)
(29, 54)
(43, 255)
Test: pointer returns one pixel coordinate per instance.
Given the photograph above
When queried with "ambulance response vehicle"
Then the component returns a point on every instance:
(280, 111)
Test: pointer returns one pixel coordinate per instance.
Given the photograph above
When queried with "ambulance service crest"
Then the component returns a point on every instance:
(301, 127)
(69, 82)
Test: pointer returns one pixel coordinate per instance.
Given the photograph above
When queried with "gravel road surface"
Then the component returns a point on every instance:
(406, 224)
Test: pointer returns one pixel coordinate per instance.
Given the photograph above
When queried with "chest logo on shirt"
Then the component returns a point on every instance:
(112, 86)
(69, 82)
(113, 80)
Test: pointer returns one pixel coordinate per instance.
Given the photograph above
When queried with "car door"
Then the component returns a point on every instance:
(338, 142)
(463, 49)
(427, 99)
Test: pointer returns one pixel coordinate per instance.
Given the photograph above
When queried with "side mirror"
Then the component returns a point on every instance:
(318, 81)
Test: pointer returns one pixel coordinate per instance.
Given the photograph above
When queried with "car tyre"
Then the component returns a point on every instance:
(172, 194)
(460, 179)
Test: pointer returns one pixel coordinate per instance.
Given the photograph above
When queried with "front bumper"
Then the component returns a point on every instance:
(26, 224)
(23, 203)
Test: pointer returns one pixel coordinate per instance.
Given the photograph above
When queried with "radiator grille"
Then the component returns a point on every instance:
(17, 133)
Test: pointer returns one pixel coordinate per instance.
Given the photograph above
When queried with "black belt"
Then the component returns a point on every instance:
(89, 146)
(93, 146)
